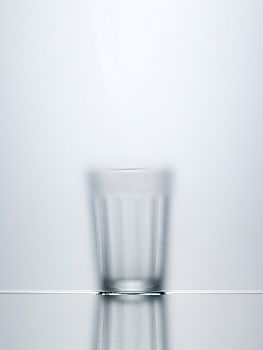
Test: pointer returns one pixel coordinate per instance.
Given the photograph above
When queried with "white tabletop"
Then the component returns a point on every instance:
(86, 321)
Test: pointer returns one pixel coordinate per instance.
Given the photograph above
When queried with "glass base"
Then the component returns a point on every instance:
(131, 285)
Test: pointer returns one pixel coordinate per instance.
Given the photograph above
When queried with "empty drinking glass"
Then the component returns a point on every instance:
(130, 208)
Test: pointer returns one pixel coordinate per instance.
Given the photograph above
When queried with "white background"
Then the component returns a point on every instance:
(131, 83)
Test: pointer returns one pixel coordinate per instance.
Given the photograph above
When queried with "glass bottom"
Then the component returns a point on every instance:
(131, 285)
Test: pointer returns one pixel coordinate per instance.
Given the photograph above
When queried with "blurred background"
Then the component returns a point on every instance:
(121, 83)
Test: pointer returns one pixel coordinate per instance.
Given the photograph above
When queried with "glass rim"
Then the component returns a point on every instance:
(130, 170)
(130, 180)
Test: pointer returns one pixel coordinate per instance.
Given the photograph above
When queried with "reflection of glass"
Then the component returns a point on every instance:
(131, 322)
(130, 210)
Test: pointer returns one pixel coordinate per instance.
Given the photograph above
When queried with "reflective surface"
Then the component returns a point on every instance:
(131, 322)
(181, 322)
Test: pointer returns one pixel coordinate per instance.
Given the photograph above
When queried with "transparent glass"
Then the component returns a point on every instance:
(130, 208)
